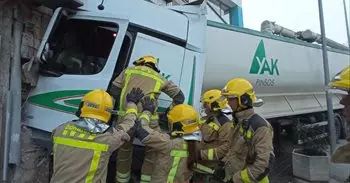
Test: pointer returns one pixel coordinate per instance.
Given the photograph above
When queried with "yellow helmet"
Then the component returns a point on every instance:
(183, 120)
(148, 59)
(97, 104)
(241, 89)
(213, 99)
(341, 81)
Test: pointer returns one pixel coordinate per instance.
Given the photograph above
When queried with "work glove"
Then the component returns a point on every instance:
(140, 132)
(219, 173)
(135, 95)
(148, 104)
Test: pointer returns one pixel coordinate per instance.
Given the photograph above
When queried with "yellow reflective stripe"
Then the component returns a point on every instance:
(214, 126)
(122, 94)
(145, 116)
(80, 144)
(145, 178)
(123, 177)
(172, 173)
(91, 137)
(204, 168)
(72, 133)
(65, 132)
(93, 166)
(184, 146)
(131, 110)
(82, 135)
(145, 73)
(177, 154)
(232, 125)
(202, 121)
(241, 129)
(245, 177)
(249, 134)
(210, 154)
(155, 117)
(264, 180)
(156, 89)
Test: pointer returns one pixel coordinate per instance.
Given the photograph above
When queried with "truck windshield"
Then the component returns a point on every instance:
(79, 47)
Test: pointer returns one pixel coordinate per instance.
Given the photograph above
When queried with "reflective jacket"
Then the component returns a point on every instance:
(171, 163)
(251, 150)
(148, 80)
(215, 137)
(82, 156)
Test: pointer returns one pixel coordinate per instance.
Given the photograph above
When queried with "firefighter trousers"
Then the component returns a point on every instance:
(124, 160)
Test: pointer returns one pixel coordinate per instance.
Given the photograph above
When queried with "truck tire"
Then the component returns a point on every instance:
(339, 126)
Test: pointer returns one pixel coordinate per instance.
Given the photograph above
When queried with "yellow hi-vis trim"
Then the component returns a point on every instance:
(145, 178)
(145, 73)
(122, 94)
(96, 147)
(177, 154)
(93, 166)
(248, 134)
(123, 177)
(204, 168)
(214, 126)
(264, 180)
(131, 110)
(245, 176)
(146, 117)
(72, 133)
(210, 154)
(156, 88)
(155, 117)
(80, 144)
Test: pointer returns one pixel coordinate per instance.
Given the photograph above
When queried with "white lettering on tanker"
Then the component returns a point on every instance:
(264, 66)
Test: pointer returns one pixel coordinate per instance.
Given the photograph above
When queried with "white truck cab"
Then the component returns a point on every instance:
(87, 48)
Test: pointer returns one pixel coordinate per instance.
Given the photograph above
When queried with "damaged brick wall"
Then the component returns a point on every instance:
(35, 21)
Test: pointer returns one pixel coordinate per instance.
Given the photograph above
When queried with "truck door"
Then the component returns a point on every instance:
(170, 56)
(78, 54)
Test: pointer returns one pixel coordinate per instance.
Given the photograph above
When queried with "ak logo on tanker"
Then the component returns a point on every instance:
(261, 65)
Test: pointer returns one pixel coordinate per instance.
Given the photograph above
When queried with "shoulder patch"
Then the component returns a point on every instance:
(256, 121)
(223, 119)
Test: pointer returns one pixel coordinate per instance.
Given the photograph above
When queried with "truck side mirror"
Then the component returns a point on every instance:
(47, 53)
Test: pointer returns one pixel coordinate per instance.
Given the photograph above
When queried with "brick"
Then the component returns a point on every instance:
(36, 18)
(29, 27)
(37, 43)
(37, 33)
(28, 39)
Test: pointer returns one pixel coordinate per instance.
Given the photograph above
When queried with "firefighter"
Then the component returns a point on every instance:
(215, 130)
(144, 75)
(251, 151)
(341, 84)
(82, 147)
(178, 151)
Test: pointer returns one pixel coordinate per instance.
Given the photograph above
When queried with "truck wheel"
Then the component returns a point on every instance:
(338, 122)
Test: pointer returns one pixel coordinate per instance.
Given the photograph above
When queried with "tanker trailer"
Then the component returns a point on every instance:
(286, 73)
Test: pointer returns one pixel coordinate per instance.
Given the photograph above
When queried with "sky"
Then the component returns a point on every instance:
(297, 15)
